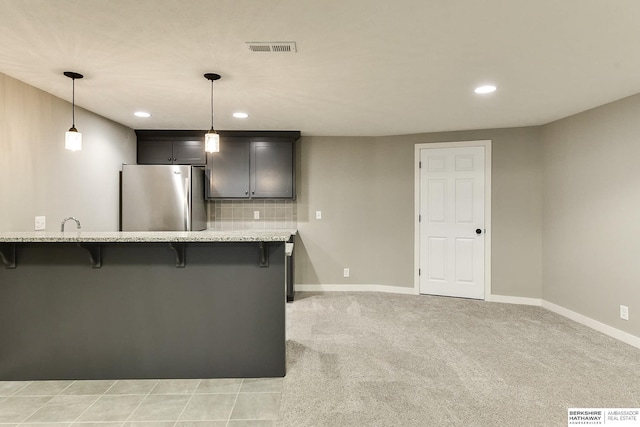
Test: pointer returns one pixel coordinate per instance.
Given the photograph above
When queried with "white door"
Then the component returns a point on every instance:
(451, 225)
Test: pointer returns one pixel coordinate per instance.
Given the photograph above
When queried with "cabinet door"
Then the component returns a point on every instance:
(272, 170)
(155, 152)
(189, 153)
(228, 172)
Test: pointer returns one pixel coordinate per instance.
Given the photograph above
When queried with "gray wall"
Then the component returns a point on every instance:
(39, 177)
(591, 219)
(341, 177)
(365, 190)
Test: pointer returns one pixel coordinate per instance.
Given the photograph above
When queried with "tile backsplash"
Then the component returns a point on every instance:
(239, 214)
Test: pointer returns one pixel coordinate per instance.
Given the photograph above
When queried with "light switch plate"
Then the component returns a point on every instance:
(40, 223)
(318, 214)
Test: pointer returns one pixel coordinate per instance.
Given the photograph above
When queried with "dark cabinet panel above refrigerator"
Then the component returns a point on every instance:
(152, 152)
(167, 147)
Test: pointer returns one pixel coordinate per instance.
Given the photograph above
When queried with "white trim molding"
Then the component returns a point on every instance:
(506, 299)
(357, 288)
(625, 337)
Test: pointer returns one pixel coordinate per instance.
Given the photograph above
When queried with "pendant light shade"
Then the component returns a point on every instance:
(211, 138)
(73, 138)
(212, 142)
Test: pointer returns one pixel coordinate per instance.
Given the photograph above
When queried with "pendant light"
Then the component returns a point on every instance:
(211, 138)
(73, 138)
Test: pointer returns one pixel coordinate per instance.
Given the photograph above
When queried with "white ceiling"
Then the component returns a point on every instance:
(363, 67)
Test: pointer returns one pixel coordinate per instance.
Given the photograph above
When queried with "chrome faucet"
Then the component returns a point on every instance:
(67, 219)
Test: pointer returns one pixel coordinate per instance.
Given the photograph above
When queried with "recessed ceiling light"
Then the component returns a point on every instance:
(485, 89)
(142, 114)
(240, 115)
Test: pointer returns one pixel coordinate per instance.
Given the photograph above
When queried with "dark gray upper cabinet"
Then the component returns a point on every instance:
(160, 147)
(272, 169)
(253, 165)
(151, 152)
(189, 152)
(227, 172)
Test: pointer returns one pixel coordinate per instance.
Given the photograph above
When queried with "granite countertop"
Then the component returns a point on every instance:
(148, 236)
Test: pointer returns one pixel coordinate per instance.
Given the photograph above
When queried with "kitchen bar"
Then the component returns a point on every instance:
(105, 305)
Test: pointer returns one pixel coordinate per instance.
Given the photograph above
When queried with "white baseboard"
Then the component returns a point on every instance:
(514, 300)
(593, 324)
(576, 317)
(357, 288)
(565, 312)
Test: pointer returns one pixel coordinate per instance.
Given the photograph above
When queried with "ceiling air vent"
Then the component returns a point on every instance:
(286, 47)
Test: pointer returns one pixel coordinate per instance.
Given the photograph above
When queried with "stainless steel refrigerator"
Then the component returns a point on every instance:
(162, 198)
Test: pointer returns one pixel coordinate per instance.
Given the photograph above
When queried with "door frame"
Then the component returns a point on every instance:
(487, 207)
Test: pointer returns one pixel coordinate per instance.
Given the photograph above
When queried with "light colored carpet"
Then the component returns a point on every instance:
(374, 359)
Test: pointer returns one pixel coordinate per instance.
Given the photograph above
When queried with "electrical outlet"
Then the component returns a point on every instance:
(40, 223)
(256, 214)
(346, 272)
(318, 214)
(624, 312)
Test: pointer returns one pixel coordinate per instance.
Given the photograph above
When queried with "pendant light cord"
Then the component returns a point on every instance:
(73, 103)
(211, 104)
(211, 77)
(73, 76)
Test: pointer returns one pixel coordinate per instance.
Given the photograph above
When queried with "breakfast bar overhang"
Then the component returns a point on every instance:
(83, 305)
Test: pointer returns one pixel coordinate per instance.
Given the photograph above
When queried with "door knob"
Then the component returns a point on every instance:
(478, 231)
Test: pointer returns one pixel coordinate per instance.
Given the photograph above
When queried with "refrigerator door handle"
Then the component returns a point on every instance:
(187, 204)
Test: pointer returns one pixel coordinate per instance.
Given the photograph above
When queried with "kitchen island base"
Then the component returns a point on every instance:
(139, 314)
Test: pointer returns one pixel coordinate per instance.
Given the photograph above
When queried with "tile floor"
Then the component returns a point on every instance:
(141, 403)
